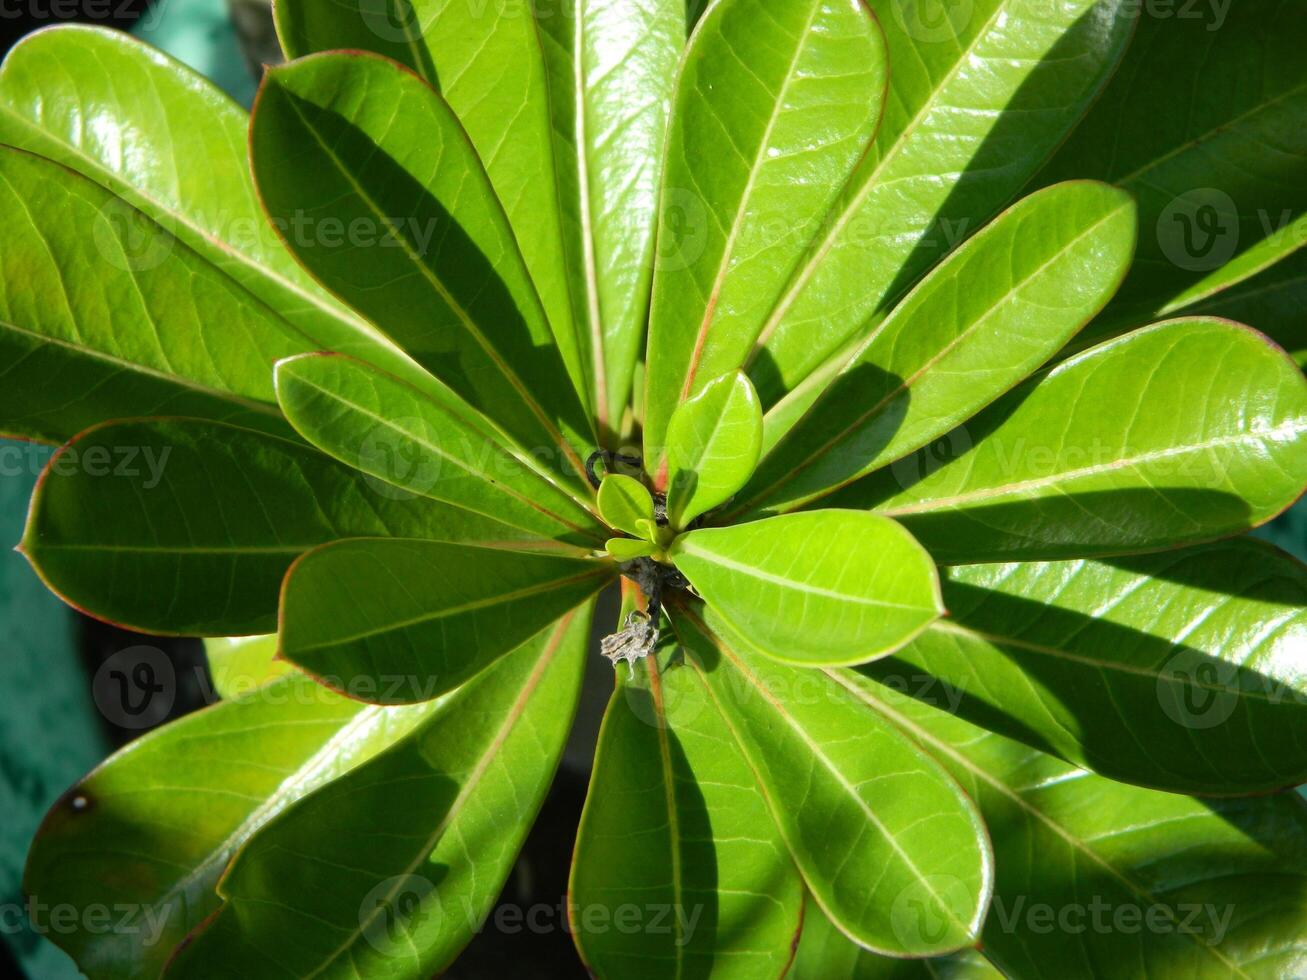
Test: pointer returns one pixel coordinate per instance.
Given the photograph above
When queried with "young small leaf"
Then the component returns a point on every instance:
(623, 502)
(713, 442)
(815, 588)
(629, 549)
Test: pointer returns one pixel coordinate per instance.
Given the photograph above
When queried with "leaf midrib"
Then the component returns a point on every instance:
(1150, 674)
(129, 192)
(134, 367)
(923, 735)
(465, 467)
(1287, 429)
(1000, 304)
(684, 545)
(463, 316)
(502, 598)
(809, 268)
(817, 753)
(742, 211)
(491, 752)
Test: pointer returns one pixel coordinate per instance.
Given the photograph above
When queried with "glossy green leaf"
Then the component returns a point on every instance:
(1274, 302)
(675, 829)
(1095, 876)
(775, 103)
(629, 549)
(824, 951)
(171, 144)
(188, 527)
(611, 67)
(827, 587)
(1183, 432)
(713, 442)
(414, 619)
(439, 448)
(434, 825)
(1206, 123)
(1180, 671)
(981, 93)
(624, 502)
(874, 824)
(487, 61)
(149, 832)
(240, 665)
(982, 321)
(385, 201)
(104, 313)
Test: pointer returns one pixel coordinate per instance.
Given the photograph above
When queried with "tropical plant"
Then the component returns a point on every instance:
(917, 496)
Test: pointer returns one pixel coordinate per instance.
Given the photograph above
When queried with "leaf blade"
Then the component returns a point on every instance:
(1188, 464)
(456, 766)
(756, 80)
(790, 586)
(412, 619)
(979, 323)
(713, 443)
(454, 293)
(775, 725)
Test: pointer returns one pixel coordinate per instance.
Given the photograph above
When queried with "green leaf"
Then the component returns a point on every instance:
(104, 313)
(980, 95)
(624, 502)
(240, 665)
(981, 322)
(437, 448)
(628, 549)
(1179, 433)
(713, 442)
(149, 832)
(1177, 671)
(828, 587)
(1206, 123)
(386, 202)
(171, 144)
(487, 62)
(430, 829)
(1274, 302)
(775, 103)
(187, 527)
(824, 951)
(611, 68)
(674, 827)
(875, 825)
(394, 622)
(1093, 874)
